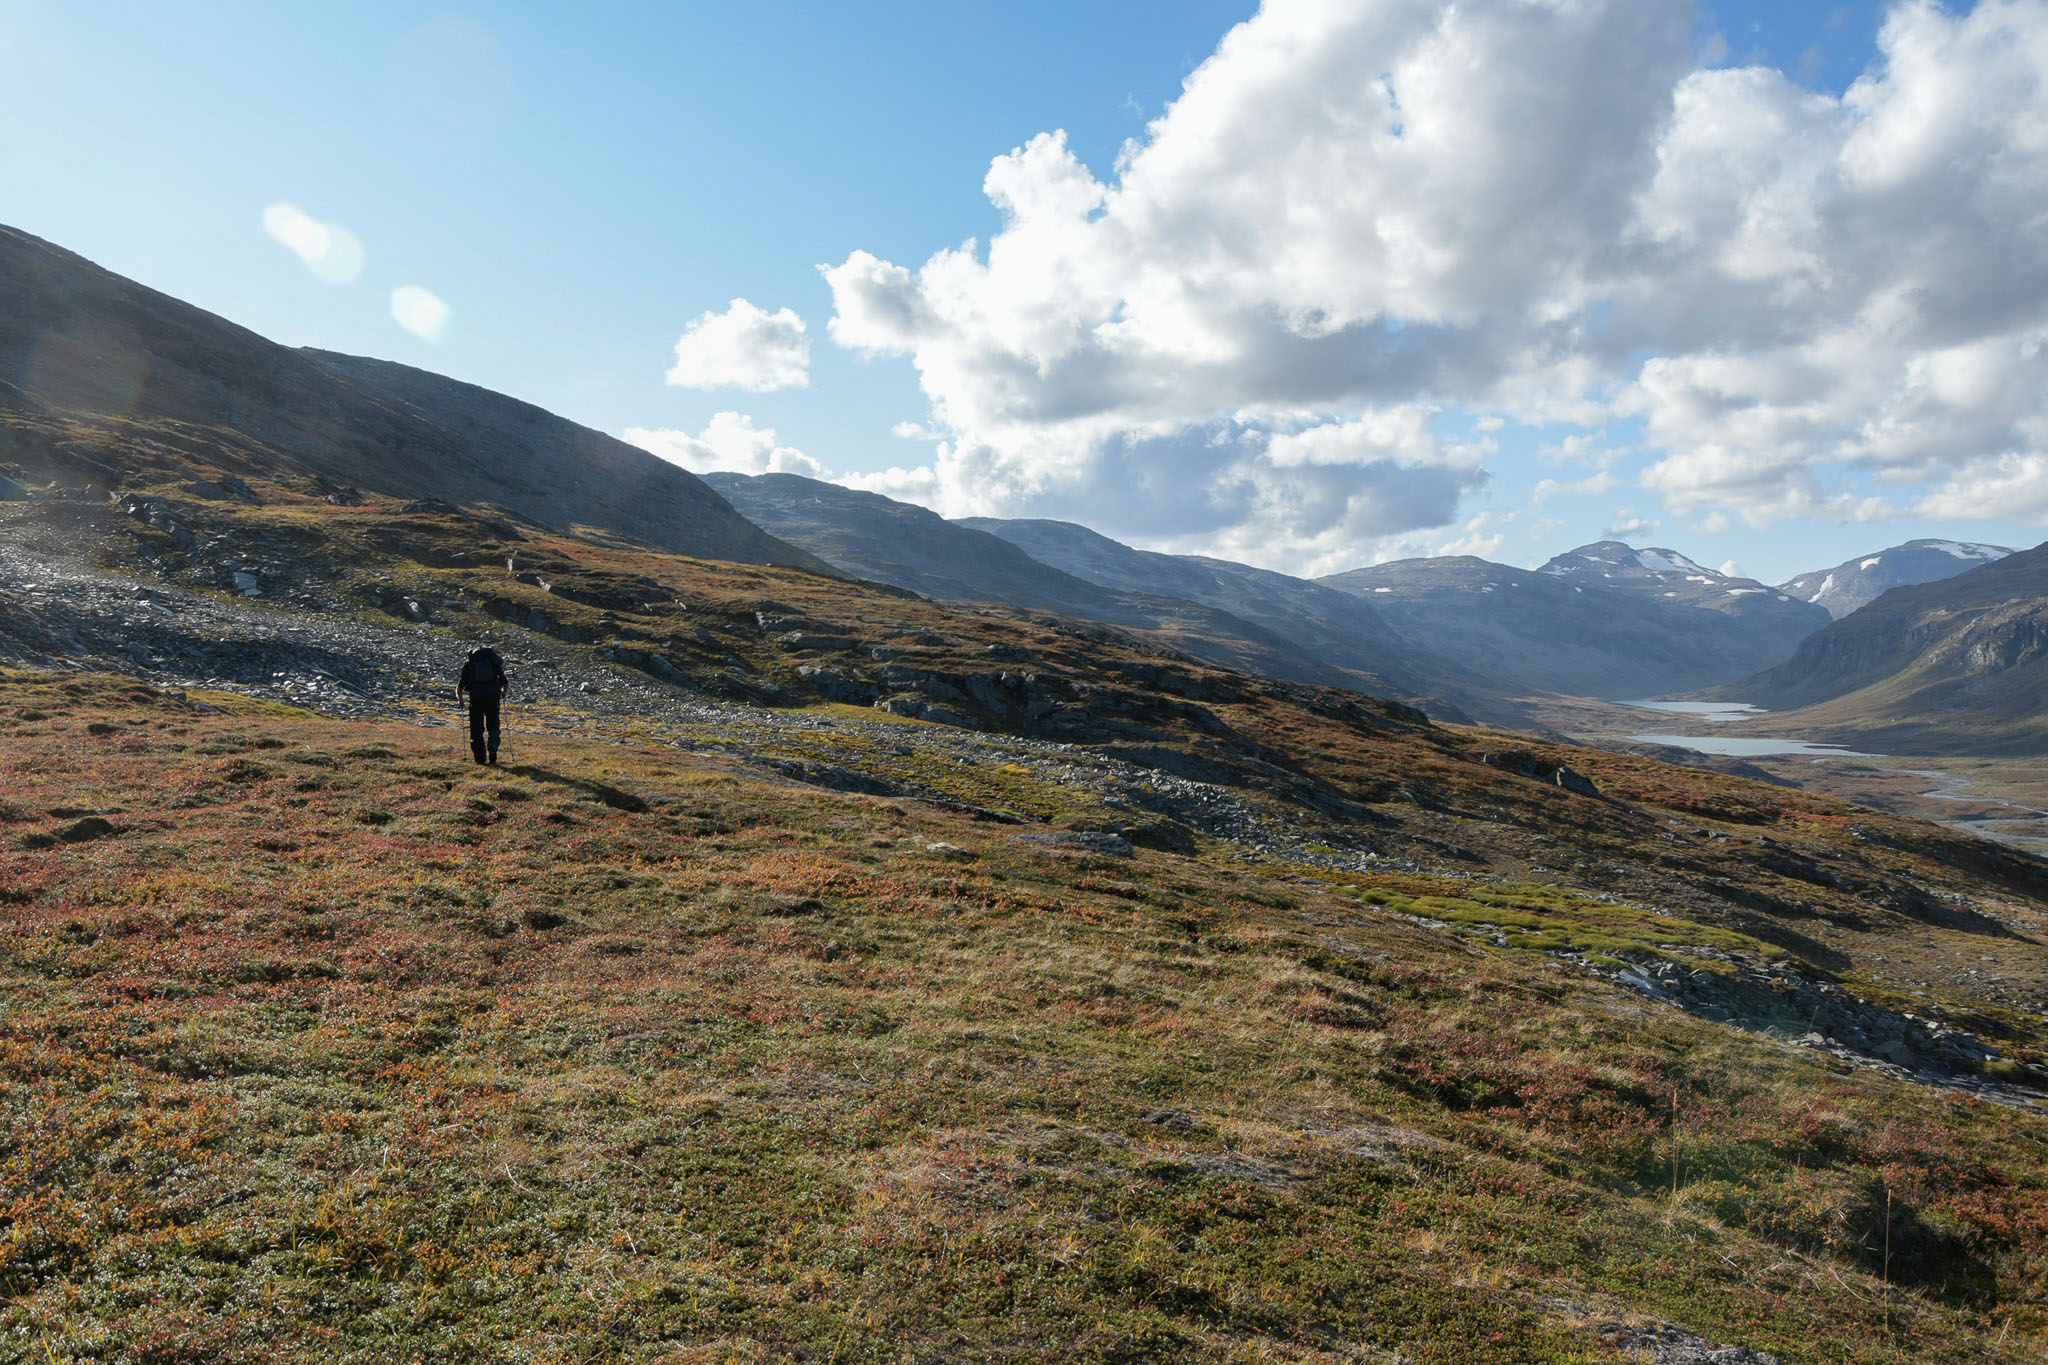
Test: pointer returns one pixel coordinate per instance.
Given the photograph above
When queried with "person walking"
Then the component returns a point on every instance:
(483, 680)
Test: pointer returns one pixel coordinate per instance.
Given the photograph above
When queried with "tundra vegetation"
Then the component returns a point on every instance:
(804, 990)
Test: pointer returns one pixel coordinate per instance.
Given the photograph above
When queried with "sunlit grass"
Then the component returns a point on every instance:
(341, 1047)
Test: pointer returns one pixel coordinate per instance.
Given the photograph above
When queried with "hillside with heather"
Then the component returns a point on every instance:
(882, 685)
(831, 971)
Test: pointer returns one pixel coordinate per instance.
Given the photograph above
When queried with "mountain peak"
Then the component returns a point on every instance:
(1605, 557)
(1857, 582)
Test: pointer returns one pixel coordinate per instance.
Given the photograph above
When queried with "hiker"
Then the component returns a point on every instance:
(483, 678)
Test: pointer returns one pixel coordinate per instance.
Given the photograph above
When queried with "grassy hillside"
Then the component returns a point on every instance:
(325, 1044)
(833, 974)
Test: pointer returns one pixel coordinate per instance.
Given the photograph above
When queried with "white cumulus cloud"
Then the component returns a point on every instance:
(729, 443)
(744, 347)
(1354, 215)
(1627, 524)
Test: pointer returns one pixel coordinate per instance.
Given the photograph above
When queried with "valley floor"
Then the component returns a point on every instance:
(2005, 799)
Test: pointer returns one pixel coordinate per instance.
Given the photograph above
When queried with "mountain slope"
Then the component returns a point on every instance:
(912, 547)
(909, 546)
(1329, 624)
(101, 377)
(1955, 666)
(1855, 582)
(1550, 632)
(830, 973)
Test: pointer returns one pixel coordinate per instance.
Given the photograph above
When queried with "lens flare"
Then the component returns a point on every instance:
(329, 250)
(419, 312)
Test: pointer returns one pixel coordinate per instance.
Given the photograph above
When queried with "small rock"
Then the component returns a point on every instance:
(89, 828)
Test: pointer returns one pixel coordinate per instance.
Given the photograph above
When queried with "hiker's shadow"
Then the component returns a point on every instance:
(596, 791)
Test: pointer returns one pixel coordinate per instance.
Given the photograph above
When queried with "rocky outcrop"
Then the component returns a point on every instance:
(1543, 770)
(1820, 1015)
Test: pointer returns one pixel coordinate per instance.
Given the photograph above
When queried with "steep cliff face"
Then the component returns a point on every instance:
(101, 378)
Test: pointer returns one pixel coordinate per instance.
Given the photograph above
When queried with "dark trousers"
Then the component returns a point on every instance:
(483, 714)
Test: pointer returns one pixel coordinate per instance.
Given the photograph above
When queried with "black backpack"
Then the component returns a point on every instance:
(484, 669)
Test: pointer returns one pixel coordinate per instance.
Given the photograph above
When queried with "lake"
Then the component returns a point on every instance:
(1712, 712)
(1747, 746)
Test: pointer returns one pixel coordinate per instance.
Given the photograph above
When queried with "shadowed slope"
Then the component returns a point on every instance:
(99, 375)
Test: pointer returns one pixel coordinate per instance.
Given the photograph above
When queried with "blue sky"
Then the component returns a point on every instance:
(578, 183)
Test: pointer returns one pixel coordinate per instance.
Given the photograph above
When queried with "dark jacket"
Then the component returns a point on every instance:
(483, 676)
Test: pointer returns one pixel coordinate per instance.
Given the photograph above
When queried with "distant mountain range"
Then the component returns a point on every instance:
(103, 380)
(907, 546)
(1954, 666)
(1775, 618)
(1579, 632)
(1855, 582)
(1322, 622)
(1220, 617)
(1605, 620)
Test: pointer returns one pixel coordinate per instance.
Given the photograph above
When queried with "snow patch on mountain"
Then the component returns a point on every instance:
(1669, 561)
